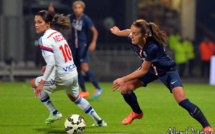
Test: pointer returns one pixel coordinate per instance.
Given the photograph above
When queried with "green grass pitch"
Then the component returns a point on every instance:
(22, 113)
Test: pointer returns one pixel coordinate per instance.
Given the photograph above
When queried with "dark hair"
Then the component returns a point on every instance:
(152, 30)
(57, 21)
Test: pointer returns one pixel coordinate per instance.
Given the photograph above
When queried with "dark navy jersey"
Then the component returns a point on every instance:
(79, 29)
(155, 53)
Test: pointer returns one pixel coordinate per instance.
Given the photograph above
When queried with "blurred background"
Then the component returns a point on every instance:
(186, 22)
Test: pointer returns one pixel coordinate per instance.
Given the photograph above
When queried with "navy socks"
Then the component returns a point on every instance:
(92, 79)
(195, 112)
(131, 99)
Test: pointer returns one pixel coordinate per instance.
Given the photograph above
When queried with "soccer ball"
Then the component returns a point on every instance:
(75, 124)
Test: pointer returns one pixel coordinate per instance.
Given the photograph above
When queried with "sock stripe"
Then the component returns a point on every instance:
(46, 99)
(54, 112)
(87, 110)
(78, 100)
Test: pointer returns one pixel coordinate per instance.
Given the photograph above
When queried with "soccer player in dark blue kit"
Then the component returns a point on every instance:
(81, 23)
(148, 42)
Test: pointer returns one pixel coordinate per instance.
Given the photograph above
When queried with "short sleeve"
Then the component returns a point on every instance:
(152, 53)
(89, 22)
(46, 47)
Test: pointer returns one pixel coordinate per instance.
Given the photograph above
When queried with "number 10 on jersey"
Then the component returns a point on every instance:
(66, 52)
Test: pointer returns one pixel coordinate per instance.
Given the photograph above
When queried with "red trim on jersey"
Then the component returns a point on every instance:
(46, 48)
(76, 36)
(51, 34)
(140, 53)
(155, 70)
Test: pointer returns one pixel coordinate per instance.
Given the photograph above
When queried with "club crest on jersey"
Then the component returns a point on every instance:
(144, 53)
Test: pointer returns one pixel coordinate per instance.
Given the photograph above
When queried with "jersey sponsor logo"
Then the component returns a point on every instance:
(69, 68)
(58, 38)
(46, 49)
(77, 26)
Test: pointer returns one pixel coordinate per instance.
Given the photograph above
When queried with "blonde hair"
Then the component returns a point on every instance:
(78, 2)
(152, 30)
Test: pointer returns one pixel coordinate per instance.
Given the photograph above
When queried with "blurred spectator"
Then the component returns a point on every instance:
(188, 45)
(180, 56)
(206, 49)
(173, 39)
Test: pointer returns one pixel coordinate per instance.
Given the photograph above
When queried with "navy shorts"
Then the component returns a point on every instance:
(80, 54)
(149, 77)
(171, 79)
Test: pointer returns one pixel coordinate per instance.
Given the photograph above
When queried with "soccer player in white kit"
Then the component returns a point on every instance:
(60, 73)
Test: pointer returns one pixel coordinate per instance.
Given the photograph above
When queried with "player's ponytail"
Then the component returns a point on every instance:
(152, 30)
(57, 21)
(61, 22)
(158, 35)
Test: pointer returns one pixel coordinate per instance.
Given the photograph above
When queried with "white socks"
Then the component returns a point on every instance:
(86, 107)
(45, 99)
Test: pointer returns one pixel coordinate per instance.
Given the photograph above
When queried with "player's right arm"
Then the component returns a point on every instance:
(124, 33)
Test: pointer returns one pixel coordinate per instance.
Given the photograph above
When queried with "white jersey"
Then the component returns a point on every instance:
(54, 44)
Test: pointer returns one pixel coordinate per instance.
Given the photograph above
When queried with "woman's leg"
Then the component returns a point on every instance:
(131, 99)
(87, 108)
(129, 96)
(90, 75)
(92, 78)
(45, 99)
(81, 79)
(193, 110)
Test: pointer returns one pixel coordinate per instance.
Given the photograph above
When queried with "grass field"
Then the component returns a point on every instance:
(22, 113)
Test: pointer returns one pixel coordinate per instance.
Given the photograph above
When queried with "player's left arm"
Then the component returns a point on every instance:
(48, 70)
(147, 63)
(94, 39)
(135, 75)
(50, 63)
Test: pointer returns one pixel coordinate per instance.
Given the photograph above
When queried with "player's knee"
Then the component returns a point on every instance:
(85, 67)
(72, 98)
(33, 83)
(125, 89)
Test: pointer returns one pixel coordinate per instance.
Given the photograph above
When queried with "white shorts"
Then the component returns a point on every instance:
(69, 87)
